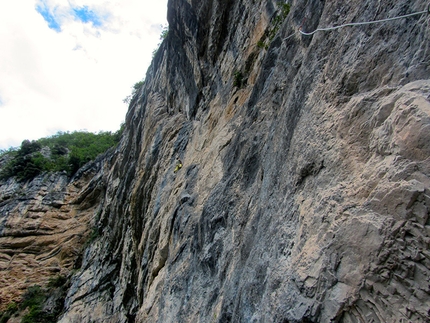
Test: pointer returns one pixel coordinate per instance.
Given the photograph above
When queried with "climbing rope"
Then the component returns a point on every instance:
(360, 23)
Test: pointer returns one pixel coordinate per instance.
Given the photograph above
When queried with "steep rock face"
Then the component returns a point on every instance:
(304, 192)
(44, 226)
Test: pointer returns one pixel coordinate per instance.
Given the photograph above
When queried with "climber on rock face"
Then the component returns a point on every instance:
(178, 164)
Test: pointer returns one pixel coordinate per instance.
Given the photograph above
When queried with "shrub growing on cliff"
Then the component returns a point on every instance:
(283, 11)
(11, 309)
(238, 80)
(35, 297)
(62, 152)
(26, 163)
(136, 87)
(163, 36)
(57, 281)
(85, 147)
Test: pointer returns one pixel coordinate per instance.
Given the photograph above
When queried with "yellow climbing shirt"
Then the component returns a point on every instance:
(178, 166)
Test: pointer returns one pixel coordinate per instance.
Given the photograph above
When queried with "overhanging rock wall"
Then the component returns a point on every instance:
(304, 192)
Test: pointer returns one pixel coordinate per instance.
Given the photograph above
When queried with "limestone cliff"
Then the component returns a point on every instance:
(44, 226)
(304, 189)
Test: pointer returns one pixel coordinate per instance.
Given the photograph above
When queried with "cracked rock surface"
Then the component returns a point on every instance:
(304, 194)
(44, 226)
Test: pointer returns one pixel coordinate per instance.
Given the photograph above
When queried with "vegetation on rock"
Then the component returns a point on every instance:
(163, 36)
(11, 309)
(65, 151)
(136, 87)
(238, 80)
(33, 306)
(283, 11)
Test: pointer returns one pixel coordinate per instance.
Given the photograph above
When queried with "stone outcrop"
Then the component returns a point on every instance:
(44, 226)
(304, 189)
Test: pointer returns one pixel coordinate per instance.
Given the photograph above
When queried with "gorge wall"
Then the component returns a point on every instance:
(304, 189)
(45, 224)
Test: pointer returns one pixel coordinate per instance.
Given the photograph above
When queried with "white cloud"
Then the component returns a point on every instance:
(75, 78)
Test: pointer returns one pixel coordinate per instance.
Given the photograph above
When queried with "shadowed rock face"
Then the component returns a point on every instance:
(304, 193)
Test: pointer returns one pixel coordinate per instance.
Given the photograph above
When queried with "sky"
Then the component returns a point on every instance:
(67, 65)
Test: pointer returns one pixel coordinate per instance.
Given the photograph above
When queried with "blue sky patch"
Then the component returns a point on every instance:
(57, 16)
(49, 17)
(86, 15)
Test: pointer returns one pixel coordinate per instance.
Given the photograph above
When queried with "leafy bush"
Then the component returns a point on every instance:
(261, 44)
(238, 80)
(163, 36)
(57, 281)
(62, 152)
(11, 309)
(38, 315)
(26, 162)
(4, 317)
(37, 297)
(279, 18)
(136, 87)
(164, 32)
(33, 299)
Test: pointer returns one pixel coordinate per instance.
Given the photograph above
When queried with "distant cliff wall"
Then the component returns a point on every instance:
(304, 189)
(45, 225)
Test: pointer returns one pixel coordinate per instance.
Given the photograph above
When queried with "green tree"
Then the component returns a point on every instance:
(163, 36)
(135, 88)
(65, 152)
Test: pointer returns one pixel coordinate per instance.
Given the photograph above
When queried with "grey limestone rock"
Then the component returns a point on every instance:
(305, 189)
